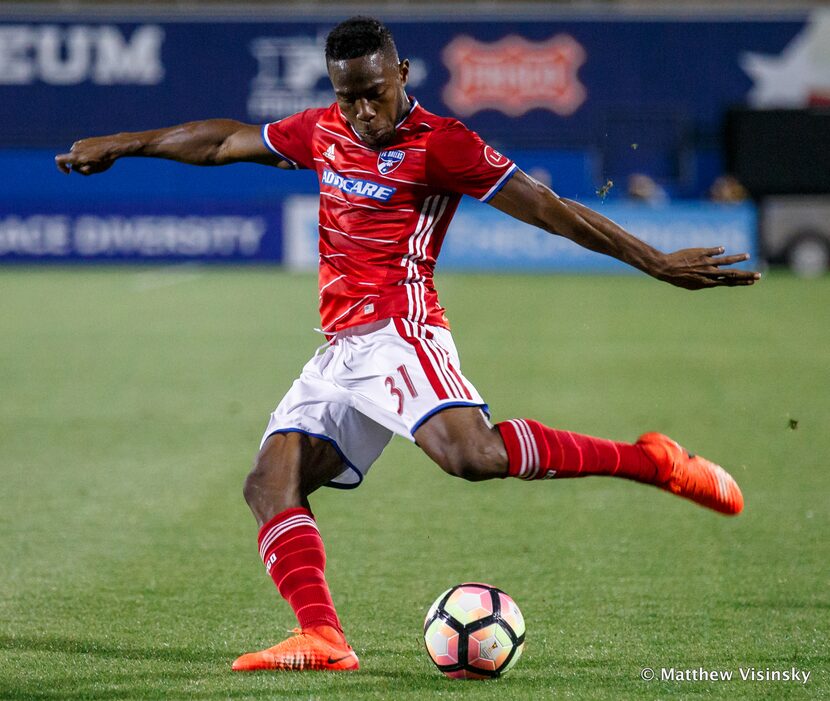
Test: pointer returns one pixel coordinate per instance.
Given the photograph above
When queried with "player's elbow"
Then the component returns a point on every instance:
(548, 212)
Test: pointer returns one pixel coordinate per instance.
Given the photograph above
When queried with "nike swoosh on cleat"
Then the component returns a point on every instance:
(339, 659)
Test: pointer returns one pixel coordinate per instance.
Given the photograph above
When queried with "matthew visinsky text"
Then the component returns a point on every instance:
(746, 674)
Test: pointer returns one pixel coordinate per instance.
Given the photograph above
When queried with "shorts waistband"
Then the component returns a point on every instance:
(362, 329)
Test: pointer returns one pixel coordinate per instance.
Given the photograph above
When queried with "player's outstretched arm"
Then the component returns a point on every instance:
(207, 143)
(692, 268)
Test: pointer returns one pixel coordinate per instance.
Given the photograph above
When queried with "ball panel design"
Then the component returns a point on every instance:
(434, 608)
(489, 647)
(469, 632)
(442, 643)
(469, 603)
(513, 660)
(511, 615)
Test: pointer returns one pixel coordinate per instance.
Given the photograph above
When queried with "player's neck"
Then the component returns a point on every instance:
(405, 108)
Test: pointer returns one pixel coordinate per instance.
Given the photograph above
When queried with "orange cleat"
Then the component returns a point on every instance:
(316, 648)
(692, 476)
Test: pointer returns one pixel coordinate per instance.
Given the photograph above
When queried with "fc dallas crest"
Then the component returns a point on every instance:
(514, 75)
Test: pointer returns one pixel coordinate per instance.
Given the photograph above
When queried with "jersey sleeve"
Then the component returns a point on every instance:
(459, 161)
(290, 138)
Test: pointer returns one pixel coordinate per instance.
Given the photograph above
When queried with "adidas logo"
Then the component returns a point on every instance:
(329, 152)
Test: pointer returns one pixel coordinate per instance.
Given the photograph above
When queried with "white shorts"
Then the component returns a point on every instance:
(374, 380)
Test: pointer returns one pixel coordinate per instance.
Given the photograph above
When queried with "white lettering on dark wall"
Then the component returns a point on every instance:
(38, 235)
(292, 75)
(139, 236)
(166, 235)
(69, 55)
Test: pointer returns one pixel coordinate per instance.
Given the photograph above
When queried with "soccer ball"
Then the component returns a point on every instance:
(474, 631)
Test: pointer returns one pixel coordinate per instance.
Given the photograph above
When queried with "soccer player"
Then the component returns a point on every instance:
(391, 176)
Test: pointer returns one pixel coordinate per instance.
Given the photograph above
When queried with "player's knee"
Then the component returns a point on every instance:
(252, 486)
(271, 484)
(474, 462)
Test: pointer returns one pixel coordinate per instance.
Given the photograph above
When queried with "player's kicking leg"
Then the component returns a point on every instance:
(288, 468)
(463, 444)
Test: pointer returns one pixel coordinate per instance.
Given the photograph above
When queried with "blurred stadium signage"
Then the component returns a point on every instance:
(291, 76)
(514, 75)
(125, 234)
(68, 55)
(526, 83)
(482, 238)
(620, 95)
(799, 76)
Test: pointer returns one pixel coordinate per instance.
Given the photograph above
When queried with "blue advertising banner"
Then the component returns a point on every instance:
(576, 100)
(546, 81)
(121, 233)
(481, 238)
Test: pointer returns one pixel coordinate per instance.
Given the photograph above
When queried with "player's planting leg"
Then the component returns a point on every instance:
(288, 468)
(536, 451)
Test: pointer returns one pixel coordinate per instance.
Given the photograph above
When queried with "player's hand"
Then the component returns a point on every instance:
(88, 156)
(698, 268)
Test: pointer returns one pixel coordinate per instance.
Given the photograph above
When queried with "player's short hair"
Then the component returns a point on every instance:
(359, 36)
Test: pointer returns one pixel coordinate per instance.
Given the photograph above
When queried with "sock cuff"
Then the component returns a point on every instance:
(523, 448)
(519, 444)
(281, 524)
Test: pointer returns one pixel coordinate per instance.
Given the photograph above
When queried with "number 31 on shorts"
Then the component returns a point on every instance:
(396, 392)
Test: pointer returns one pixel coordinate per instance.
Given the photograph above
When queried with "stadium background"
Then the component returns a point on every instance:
(135, 378)
(594, 99)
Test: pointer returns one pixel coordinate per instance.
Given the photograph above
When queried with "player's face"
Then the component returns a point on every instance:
(370, 93)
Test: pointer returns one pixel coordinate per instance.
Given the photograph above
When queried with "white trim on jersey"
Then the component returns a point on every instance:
(268, 143)
(408, 261)
(498, 186)
(354, 306)
(413, 104)
(431, 212)
(331, 282)
(351, 236)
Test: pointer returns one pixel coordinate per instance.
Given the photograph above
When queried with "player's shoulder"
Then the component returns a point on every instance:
(436, 123)
(307, 117)
(315, 115)
(442, 132)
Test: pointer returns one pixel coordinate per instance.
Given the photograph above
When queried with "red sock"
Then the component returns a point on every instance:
(293, 553)
(535, 451)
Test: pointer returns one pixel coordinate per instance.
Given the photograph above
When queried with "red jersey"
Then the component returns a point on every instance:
(384, 212)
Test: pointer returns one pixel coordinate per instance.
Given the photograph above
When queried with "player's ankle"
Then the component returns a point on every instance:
(328, 632)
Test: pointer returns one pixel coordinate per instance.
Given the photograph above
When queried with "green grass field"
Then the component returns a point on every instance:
(132, 402)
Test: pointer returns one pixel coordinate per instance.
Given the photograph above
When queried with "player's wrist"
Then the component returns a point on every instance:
(654, 263)
(127, 144)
